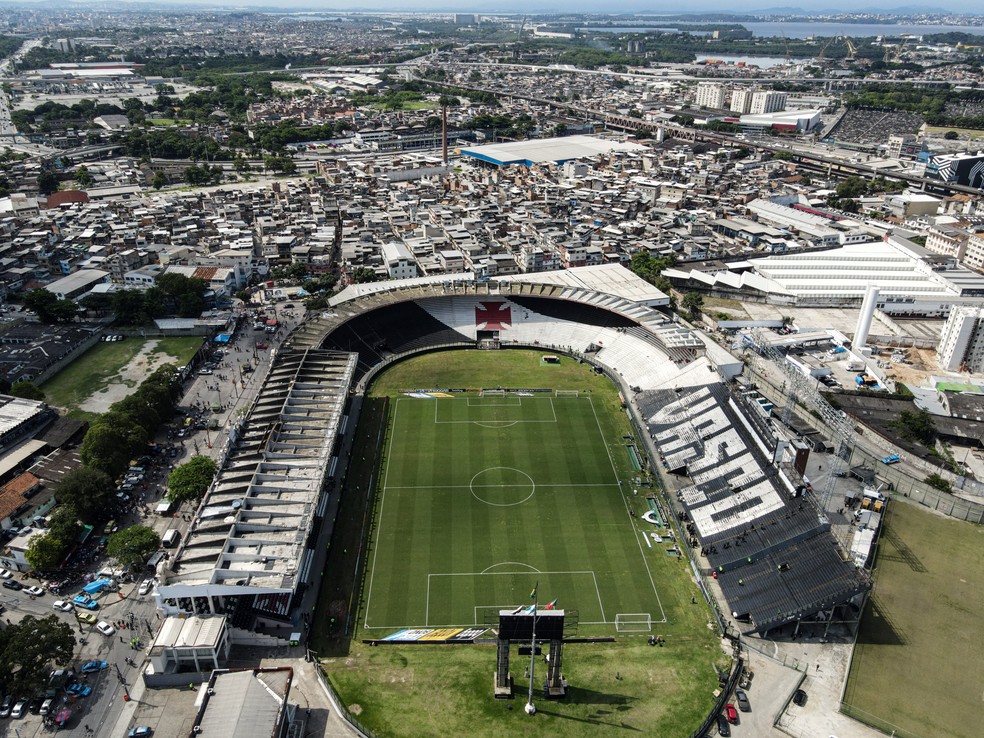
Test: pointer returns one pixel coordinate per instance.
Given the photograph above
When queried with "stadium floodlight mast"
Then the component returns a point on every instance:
(530, 707)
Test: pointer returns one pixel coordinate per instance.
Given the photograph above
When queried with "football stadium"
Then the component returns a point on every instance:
(514, 437)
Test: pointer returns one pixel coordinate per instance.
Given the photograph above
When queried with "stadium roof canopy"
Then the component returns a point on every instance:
(612, 279)
(543, 150)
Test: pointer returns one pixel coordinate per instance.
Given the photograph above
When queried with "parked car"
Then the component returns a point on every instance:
(140, 732)
(12, 584)
(5, 574)
(731, 713)
(34, 591)
(799, 697)
(6, 706)
(145, 586)
(743, 704)
(85, 601)
(891, 459)
(105, 628)
(90, 666)
(47, 705)
(84, 616)
(724, 729)
(19, 709)
(62, 606)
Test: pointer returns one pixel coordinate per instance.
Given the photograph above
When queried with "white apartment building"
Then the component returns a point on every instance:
(974, 254)
(962, 343)
(766, 101)
(710, 95)
(399, 262)
(741, 100)
(947, 241)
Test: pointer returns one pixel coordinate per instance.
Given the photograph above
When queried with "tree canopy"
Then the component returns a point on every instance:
(131, 546)
(48, 307)
(27, 390)
(88, 492)
(915, 425)
(29, 648)
(191, 480)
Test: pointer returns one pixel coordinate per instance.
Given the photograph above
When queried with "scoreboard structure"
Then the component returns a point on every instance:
(542, 627)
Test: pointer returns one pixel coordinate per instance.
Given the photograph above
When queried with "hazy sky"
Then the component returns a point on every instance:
(596, 6)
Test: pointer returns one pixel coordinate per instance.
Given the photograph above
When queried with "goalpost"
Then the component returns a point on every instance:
(567, 393)
(633, 622)
(492, 393)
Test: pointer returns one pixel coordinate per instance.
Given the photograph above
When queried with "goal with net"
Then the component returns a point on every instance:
(633, 622)
(566, 393)
(493, 393)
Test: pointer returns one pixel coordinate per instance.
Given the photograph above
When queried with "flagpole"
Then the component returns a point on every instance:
(530, 707)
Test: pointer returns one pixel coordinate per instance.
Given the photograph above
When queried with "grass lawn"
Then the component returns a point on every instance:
(917, 663)
(167, 121)
(476, 500)
(971, 132)
(102, 367)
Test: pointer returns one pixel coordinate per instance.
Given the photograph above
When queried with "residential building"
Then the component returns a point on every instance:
(741, 100)
(962, 343)
(398, 260)
(710, 95)
(767, 101)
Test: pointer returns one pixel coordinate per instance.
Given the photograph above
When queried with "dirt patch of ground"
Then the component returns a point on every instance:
(128, 378)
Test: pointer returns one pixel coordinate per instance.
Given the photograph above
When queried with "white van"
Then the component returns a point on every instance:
(171, 538)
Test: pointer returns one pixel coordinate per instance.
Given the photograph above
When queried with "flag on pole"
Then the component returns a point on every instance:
(518, 610)
(531, 610)
(533, 593)
(551, 606)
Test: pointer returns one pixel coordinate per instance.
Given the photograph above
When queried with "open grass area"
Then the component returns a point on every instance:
(971, 132)
(113, 369)
(917, 663)
(477, 499)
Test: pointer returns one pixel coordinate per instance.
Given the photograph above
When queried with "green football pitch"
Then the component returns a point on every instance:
(482, 498)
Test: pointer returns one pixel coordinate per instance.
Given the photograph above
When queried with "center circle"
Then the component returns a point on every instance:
(502, 486)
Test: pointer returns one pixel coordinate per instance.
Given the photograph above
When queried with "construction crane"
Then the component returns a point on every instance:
(821, 56)
(852, 50)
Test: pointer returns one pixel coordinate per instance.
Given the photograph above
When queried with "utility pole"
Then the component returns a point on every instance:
(119, 675)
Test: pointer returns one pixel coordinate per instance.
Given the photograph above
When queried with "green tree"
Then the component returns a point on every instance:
(131, 546)
(30, 648)
(364, 274)
(111, 442)
(45, 551)
(159, 181)
(191, 480)
(951, 135)
(650, 267)
(27, 390)
(935, 481)
(915, 425)
(47, 182)
(82, 176)
(48, 307)
(692, 303)
(88, 492)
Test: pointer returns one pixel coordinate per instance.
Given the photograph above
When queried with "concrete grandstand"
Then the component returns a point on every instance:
(249, 551)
